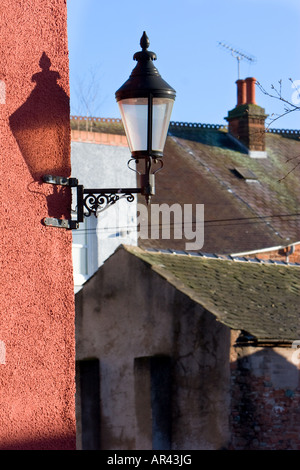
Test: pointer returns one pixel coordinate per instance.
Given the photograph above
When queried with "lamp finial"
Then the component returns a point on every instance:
(144, 42)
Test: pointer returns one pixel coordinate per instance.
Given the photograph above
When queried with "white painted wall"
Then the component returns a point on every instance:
(102, 166)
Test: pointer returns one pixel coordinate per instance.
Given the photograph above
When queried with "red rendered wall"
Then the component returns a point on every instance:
(36, 296)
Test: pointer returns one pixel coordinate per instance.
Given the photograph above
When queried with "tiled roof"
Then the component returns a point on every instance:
(205, 166)
(259, 298)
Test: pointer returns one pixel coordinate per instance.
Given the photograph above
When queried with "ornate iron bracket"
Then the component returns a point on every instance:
(89, 201)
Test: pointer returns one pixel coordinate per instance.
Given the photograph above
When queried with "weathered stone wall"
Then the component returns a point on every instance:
(220, 395)
(122, 326)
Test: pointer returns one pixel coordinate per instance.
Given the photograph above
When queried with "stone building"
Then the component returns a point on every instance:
(180, 352)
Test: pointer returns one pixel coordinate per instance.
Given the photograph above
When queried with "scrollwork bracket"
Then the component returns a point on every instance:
(89, 201)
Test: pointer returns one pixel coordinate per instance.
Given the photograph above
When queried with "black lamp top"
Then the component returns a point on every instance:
(144, 54)
(145, 78)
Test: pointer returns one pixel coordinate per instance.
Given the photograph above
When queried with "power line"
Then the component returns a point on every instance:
(213, 222)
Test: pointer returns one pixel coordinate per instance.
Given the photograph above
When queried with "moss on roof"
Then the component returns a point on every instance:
(261, 299)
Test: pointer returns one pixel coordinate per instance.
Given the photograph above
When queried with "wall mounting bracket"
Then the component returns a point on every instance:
(89, 201)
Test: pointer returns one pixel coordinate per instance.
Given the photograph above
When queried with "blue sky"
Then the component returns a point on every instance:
(104, 35)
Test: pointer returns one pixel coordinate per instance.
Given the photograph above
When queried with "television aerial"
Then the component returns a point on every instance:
(238, 55)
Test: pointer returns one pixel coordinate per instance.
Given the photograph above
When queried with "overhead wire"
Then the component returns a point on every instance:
(212, 222)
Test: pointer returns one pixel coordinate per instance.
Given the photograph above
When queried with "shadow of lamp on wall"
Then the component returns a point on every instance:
(41, 127)
(145, 101)
(41, 124)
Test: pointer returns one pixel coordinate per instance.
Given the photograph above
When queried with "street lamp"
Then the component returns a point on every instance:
(145, 101)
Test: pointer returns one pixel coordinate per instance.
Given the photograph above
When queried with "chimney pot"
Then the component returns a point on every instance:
(241, 92)
(250, 85)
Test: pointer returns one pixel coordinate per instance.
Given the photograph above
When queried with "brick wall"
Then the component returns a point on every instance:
(265, 411)
(99, 138)
(282, 254)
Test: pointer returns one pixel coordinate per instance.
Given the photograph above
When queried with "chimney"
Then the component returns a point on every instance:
(246, 122)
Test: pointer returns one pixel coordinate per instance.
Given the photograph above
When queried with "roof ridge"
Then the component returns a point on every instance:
(199, 125)
(220, 257)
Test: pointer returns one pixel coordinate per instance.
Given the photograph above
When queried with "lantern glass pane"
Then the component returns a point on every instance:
(134, 112)
(162, 109)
